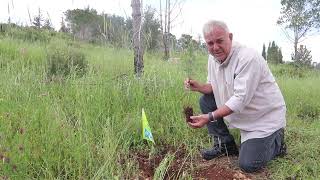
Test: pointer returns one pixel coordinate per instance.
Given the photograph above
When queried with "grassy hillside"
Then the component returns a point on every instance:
(85, 127)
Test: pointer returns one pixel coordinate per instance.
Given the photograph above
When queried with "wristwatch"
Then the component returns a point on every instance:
(211, 117)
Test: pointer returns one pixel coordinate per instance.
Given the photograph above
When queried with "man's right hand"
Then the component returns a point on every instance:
(192, 85)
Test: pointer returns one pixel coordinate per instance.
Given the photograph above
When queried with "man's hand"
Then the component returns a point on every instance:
(199, 121)
(192, 85)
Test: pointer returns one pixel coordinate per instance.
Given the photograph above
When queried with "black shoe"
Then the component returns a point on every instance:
(229, 149)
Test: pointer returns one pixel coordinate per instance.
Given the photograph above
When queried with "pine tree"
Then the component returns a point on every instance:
(274, 54)
(280, 57)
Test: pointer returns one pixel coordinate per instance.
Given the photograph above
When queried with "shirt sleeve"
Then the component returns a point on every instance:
(245, 85)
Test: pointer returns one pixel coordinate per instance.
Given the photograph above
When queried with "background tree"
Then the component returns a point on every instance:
(186, 41)
(280, 56)
(87, 24)
(299, 17)
(83, 23)
(264, 55)
(137, 43)
(151, 30)
(63, 27)
(303, 56)
(173, 41)
(274, 54)
(38, 20)
(171, 11)
(48, 25)
(115, 30)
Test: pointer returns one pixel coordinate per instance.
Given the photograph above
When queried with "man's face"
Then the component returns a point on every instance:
(219, 43)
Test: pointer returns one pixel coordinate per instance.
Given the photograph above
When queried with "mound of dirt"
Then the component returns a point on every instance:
(148, 164)
(222, 168)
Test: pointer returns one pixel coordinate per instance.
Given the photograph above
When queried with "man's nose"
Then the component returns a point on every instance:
(215, 46)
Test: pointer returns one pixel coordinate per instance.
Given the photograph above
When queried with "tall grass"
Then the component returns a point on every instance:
(303, 128)
(87, 127)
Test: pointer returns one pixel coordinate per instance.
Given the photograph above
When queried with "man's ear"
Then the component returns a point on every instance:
(230, 36)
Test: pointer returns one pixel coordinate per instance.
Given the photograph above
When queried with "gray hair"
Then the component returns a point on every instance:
(210, 25)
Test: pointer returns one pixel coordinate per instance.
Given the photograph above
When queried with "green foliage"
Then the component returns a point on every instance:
(151, 30)
(87, 24)
(274, 54)
(83, 23)
(26, 33)
(185, 42)
(300, 17)
(303, 57)
(63, 60)
(117, 30)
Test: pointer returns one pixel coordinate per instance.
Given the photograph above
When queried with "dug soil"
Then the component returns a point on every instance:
(188, 112)
(222, 168)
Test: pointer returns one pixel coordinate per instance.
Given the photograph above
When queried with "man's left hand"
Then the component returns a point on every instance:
(199, 121)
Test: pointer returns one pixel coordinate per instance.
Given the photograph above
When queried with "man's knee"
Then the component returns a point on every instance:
(251, 166)
(202, 102)
(207, 103)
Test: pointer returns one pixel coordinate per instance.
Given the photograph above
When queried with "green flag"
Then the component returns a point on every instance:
(146, 130)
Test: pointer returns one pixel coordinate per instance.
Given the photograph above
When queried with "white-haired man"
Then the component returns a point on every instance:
(242, 91)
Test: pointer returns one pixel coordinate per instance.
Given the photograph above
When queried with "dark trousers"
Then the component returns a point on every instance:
(254, 153)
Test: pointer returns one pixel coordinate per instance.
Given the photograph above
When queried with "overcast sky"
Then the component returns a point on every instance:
(253, 22)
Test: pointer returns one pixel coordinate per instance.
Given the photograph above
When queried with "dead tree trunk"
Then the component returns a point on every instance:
(137, 43)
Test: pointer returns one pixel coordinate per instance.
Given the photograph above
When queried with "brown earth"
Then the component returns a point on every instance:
(188, 112)
(222, 168)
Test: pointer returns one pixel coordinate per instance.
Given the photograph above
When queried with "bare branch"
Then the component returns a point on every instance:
(49, 18)
(30, 17)
(287, 35)
(12, 4)
(180, 12)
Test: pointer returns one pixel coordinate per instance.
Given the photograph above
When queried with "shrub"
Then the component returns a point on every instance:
(62, 60)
